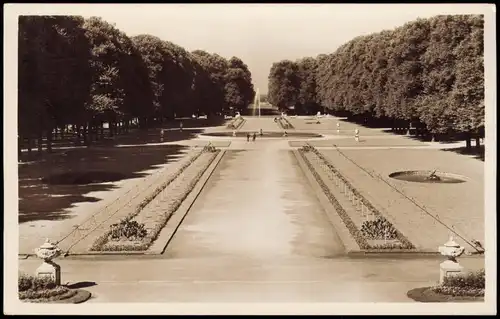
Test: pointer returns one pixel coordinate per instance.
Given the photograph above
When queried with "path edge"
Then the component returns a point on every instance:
(168, 232)
(350, 245)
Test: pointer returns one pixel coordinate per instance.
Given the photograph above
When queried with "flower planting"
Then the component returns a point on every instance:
(379, 228)
(378, 234)
(284, 123)
(464, 287)
(44, 289)
(471, 284)
(235, 123)
(128, 229)
(132, 235)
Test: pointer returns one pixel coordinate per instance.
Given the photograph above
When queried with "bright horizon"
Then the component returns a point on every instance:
(259, 34)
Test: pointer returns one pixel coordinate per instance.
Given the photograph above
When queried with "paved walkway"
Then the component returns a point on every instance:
(256, 205)
(255, 234)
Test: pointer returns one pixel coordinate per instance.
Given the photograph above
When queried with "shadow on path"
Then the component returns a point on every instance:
(48, 187)
(81, 285)
(477, 153)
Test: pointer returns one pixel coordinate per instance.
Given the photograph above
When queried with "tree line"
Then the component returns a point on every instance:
(85, 72)
(427, 74)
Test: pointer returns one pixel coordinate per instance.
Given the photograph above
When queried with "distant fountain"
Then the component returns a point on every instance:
(256, 103)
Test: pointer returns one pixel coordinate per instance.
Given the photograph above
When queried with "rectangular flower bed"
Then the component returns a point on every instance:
(284, 123)
(375, 233)
(235, 123)
(172, 193)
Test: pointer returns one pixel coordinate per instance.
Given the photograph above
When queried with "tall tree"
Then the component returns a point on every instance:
(284, 84)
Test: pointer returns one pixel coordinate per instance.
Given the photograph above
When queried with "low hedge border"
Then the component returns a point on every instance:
(44, 290)
(152, 236)
(236, 123)
(427, 294)
(355, 232)
(405, 243)
(286, 125)
(73, 296)
(103, 239)
(353, 229)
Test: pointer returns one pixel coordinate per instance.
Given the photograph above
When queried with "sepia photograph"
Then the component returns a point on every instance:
(249, 159)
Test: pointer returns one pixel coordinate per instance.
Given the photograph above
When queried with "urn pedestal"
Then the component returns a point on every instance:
(450, 267)
(51, 270)
(48, 268)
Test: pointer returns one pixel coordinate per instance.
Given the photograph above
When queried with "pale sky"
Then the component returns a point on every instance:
(259, 34)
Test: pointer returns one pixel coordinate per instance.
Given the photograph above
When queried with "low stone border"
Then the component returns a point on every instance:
(144, 245)
(399, 236)
(346, 219)
(168, 232)
(285, 126)
(426, 294)
(236, 123)
(103, 239)
(78, 296)
(350, 245)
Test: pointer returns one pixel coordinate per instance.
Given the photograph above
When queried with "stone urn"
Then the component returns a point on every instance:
(48, 268)
(451, 250)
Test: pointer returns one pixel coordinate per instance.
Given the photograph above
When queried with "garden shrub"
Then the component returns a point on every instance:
(27, 282)
(470, 280)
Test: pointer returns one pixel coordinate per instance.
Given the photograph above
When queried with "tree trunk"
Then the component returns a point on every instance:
(111, 126)
(49, 140)
(30, 145)
(19, 147)
(77, 131)
(478, 142)
(127, 125)
(467, 141)
(84, 134)
(40, 142)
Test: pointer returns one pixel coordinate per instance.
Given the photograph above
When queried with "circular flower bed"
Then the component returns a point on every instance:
(461, 288)
(428, 294)
(44, 290)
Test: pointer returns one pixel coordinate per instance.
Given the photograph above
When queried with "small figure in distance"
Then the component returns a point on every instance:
(248, 137)
(254, 137)
(261, 133)
(180, 126)
(285, 134)
(356, 135)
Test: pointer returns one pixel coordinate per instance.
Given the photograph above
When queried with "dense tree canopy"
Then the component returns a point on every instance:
(83, 72)
(428, 72)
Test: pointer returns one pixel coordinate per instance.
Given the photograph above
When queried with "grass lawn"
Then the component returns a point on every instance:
(460, 206)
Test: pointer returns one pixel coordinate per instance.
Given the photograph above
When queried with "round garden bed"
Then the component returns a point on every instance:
(264, 135)
(431, 177)
(426, 294)
(60, 294)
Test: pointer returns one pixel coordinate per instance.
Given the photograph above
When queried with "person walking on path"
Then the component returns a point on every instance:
(162, 133)
(356, 135)
(248, 137)
(261, 133)
(180, 126)
(338, 127)
(254, 137)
